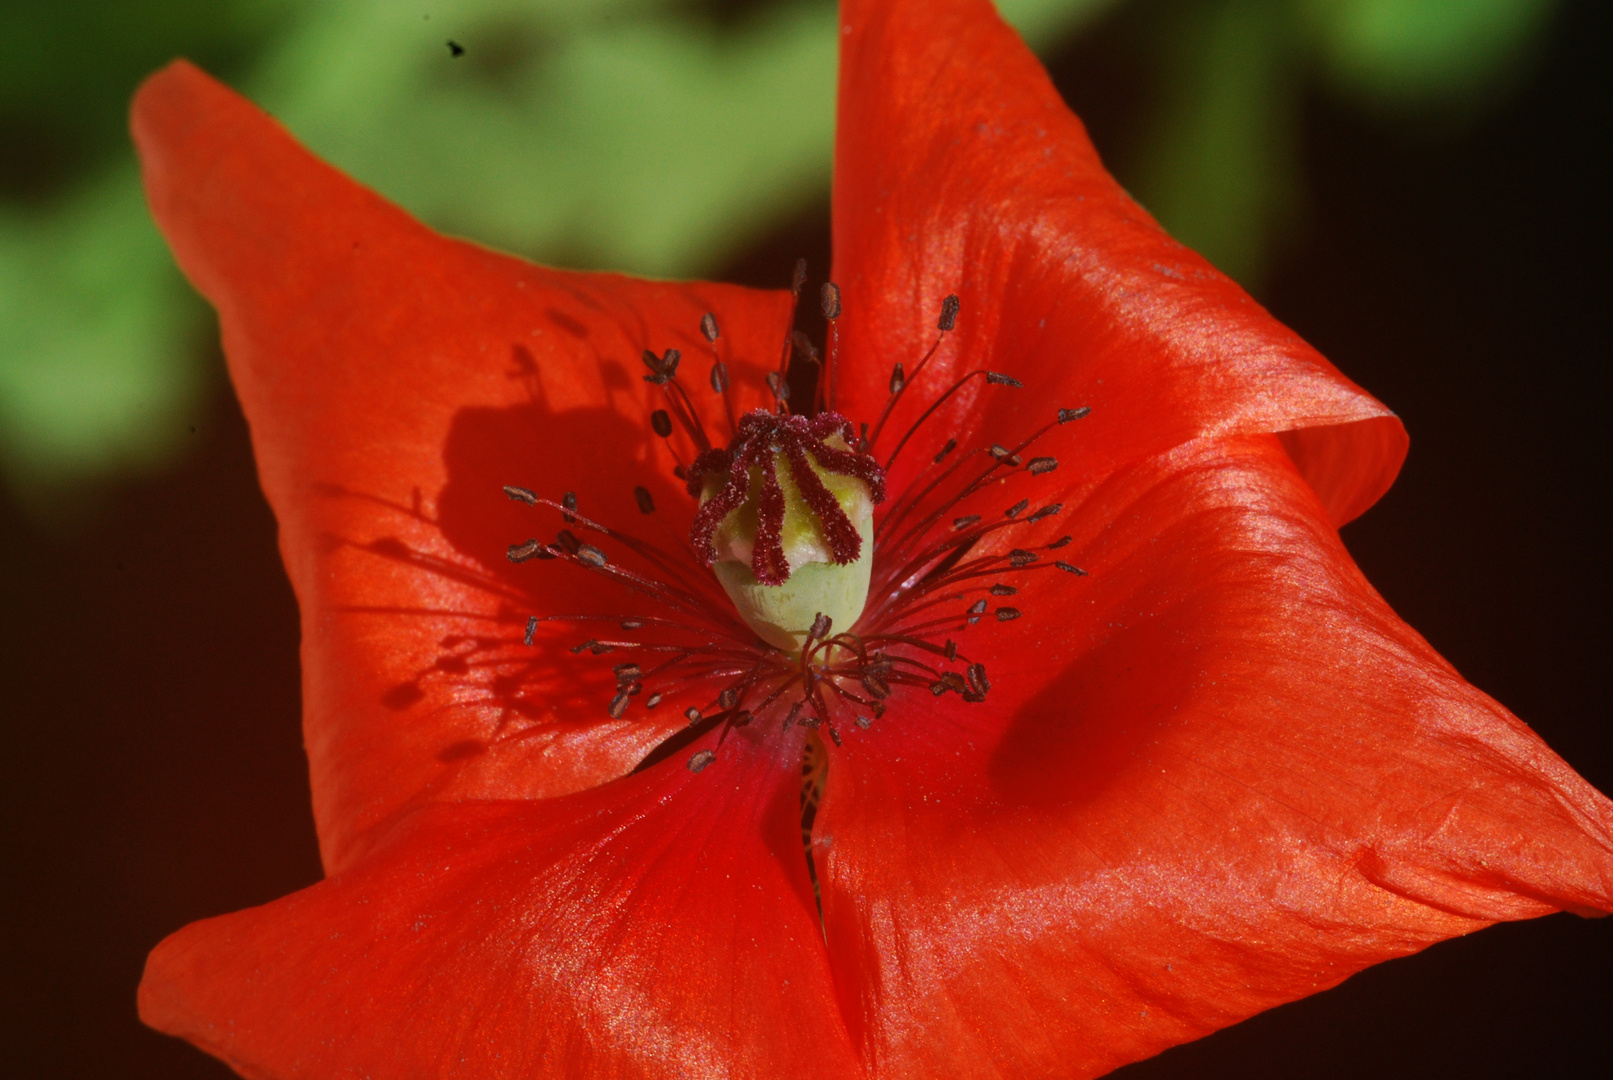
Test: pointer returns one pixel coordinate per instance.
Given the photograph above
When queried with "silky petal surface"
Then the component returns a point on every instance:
(394, 380)
(959, 170)
(1215, 775)
(659, 926)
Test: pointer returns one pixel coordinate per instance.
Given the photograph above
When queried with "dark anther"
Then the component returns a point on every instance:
(632, 624)
(949, 314)
(804, 346)
(965, 522)
(652, 701)
(938, 688)
(646, 504)
(618, 705)
(829, 297)
(976, 609)
(1040, 465)
(951, 652)
(863, 722)
(653, 362)
(1062, 541)
(692, 715)
(599, 648)
(584, 647)
(977, 679)
(626, 673)
(1020, 557)
(634, 689)
(820, 626)
(592, 556)
(952, 444)
(951, 680)
(776, 383)
(531, 628)
(1069, 569)
(521, 494)
(708, 327)
(798, 278)
(795, 711)
(1046, 512)
(661, 368)
(998, 452)
(568, 541)
(532, 549)
(1007, 614)
(728, 698)
(898, 378)
(874, 682)
(1066, 415)
(999, 379)
(569, 501)
(719, 378)
(834, 735)
(661, 423)
(741, 718)
(1017, 509)
(700, 760)
(1003, 590)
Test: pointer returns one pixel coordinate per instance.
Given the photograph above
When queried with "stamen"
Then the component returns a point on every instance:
(701, 760)
(1069, 569)
(532, 549)
(1007, 614)
(1003, 590)
(708, 327)
(997, 378)
(521, 494)
(1039, 465)
(646, 502)
(569, 501)
(949, 314)
(1018, 508)
(1066, 415)
(660, 422)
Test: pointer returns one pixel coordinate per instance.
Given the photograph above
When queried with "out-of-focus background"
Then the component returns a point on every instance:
(1419, 187)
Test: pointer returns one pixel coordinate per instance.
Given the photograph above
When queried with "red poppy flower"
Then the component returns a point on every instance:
(1212, 774)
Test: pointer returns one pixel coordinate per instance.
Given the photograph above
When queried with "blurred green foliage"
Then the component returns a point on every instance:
(652, 136)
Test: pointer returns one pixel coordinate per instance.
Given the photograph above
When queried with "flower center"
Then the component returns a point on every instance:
(825, 617)
(786, 522)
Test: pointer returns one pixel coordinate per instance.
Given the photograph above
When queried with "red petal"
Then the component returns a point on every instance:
(394, 381)
(660, 926)
(1216, 775)
(958, 169)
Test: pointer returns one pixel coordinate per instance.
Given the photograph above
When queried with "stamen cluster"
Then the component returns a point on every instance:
(930, 578)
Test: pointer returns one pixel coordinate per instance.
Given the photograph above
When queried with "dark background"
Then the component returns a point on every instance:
(153, 773)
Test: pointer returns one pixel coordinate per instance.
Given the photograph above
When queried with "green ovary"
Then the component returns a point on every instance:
(782, 614)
